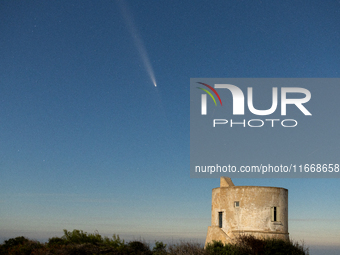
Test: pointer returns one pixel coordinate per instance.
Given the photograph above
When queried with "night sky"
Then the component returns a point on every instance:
(87, 141)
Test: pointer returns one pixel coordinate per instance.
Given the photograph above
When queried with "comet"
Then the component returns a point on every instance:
(137, 40)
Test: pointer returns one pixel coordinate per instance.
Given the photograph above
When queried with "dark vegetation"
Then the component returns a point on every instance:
(78, 242)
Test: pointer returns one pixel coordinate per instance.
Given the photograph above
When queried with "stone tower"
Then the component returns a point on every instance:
(259, 211)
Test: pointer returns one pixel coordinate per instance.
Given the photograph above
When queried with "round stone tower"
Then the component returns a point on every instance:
(259, 211)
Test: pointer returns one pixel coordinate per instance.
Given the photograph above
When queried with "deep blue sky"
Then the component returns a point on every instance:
(88, 142)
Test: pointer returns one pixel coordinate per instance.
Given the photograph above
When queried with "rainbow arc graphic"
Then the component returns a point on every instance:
(204, 97)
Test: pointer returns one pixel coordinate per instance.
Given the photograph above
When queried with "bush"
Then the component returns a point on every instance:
(219, 248)
(19, 246)
(15, 241)
(115, 242)
(186, 248)
(56, 241)
(159, 249)
(281, 247)
(137, 247)
(250, 245)
(80, 237)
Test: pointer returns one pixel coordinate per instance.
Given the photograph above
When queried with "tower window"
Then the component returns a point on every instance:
(275, 213)
(220, 214)
(237, 204)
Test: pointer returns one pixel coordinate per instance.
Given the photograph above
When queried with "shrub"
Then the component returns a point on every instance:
(159, 249)
(15, 241)
(186, 248)
(137, 247)
(56, 241)
(80, 237)
(219, 248)
(280, 247)
(115, 242)
(19, 246)
(250, 245)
